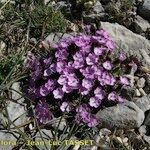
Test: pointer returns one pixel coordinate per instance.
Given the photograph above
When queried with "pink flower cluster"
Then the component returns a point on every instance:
(81, 66)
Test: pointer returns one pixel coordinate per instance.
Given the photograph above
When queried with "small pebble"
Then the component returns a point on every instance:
(119, 139)
(126, 144)
(142, 92)
(137, 93)
(30, 126)
(136, 78)
(105, 131)
(107, 139)
(141, 83)
(142, 130)
(125, 140)
(2, 45)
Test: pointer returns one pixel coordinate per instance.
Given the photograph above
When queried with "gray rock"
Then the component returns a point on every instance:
(16, 108)
(105, 131)
(144, 10)
(141, 82)
(105, 1)
(44, 136)
(147, 84)
(128, 92)
(129, 42)
(145, 133)
(8, 141)
(96, 13)
(143, 103)
(55, 37)
(142, 130)
(147, 139)
(137, 93)
(142, 92)
(141, 24)
(148, 79)
(62, 124)
(98, 8)
(122, 116)
(147, 118)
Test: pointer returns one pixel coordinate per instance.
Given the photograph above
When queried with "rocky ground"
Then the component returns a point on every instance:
(125, 126)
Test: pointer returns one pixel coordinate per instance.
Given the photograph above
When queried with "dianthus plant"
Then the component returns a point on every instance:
(78, 79)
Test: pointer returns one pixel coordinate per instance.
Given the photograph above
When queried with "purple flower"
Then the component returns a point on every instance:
(81, 66)
(68, 69)
(87, 29)
(60, 66)
(112, 96)
(87, 83)
(31, 61)
(110, 80)
(102, 33)
(86, 49)
(62, 80)
(36, 74)
(106, 79)
(84, 91)
(82, 40)
(73, 81)
(67, 89)
(63, 44)
(50, 84)
(107, 65)
(65, 107)
(99, 72)
(61, 54)
(58, 93)
(83, 107)
(42, 112)
(78, 118)
(33, 93)
(122, 56)
(47, 87)
(99, 50)
(110, 45)
(77, 56)
(93, 121)
(44, 91)
(78, 64)
(47, 72)
(120, 99)
(91, 59)
(124, 80)
(94, 102)
(134, 66)
(99, 93)
(47, 62)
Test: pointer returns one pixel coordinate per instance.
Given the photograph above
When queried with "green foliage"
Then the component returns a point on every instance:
(38, 18)
(86, 3)
(120, 12)
(45, 20)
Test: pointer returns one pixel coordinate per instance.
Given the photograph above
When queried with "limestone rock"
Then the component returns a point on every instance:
(129, 42)
(126, 115)
(142, 24)
(143, 103)
(96, 13)
(16, 108)
(144, 10)
(141, 83)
